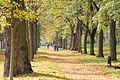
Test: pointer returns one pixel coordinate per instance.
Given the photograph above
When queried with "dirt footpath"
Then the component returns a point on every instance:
(74, 68)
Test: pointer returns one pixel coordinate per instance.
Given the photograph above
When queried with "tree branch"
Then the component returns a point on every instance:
(95, 5)
(81, 22)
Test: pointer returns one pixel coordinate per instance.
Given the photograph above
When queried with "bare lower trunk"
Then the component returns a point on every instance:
(21, 62)
(100, 49)
(70, 45)
(92, 35)
(74, 41)
(112, 39)
(30, 35)
(85, 42)
(91, 45)
(80, 37)
(66, 44)
(61, 42)
(7, 34)
(35, 37)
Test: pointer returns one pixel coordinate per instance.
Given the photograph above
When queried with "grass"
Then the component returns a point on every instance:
(2, 51)
(102, 62)
(97, 62)
(43, 67)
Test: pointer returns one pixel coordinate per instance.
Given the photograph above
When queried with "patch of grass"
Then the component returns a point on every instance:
(2, 51)
(44, 69)
(41, 49)
(91, 59)
(101, 63)
(98, 61)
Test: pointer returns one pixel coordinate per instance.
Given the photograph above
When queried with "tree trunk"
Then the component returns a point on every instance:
(77, 41)
(74, 41)
(21, 64)
(77, 37)
(100, 49)
(71, 41)
(7, 36)
(112, 39)
(91, 45)
(92, 35)
(85, 42)
(66, 44)
(61, 42)
(38, 35)
(72, 37)
(35, 37)
(80, 37)
(30, 35)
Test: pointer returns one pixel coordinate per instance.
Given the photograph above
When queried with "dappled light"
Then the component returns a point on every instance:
(59, 39)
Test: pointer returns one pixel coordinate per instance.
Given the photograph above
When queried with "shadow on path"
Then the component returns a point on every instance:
(35, 74)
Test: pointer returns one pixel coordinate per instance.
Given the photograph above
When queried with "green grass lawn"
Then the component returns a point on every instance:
(102, 62)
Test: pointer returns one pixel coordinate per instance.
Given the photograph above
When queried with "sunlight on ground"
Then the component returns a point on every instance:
(43, 67)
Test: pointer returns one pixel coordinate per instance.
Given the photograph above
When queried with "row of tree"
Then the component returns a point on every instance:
(19, 21)
(78, 22)
(67, 22)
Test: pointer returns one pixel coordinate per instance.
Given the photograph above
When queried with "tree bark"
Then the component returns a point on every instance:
(7, 36)
(61, 42)
(112, 39)
(35, 37)
(80, 37)
(74, 41)
(91, 45)
(72, 37)
(66, 44)
(30, 35)
(85, 42)
(21, 64)
(100, 49)
(38, 35)
(92, 35)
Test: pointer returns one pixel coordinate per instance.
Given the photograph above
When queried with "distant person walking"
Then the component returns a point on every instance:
(55, 47)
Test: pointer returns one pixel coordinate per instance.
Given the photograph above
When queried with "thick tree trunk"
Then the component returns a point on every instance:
(71, 41)
(112, 39)
(74, 41)
(61, 42)
(30, 35)
(77, 37)
(100, 49)
(91, 45)
(77, 42)
(38, 35)
(66, 44)
(35, 37)
(21, 62)
(92, 35)
(85, 42)
(80, 37)
(72, 37)
(7, 35)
